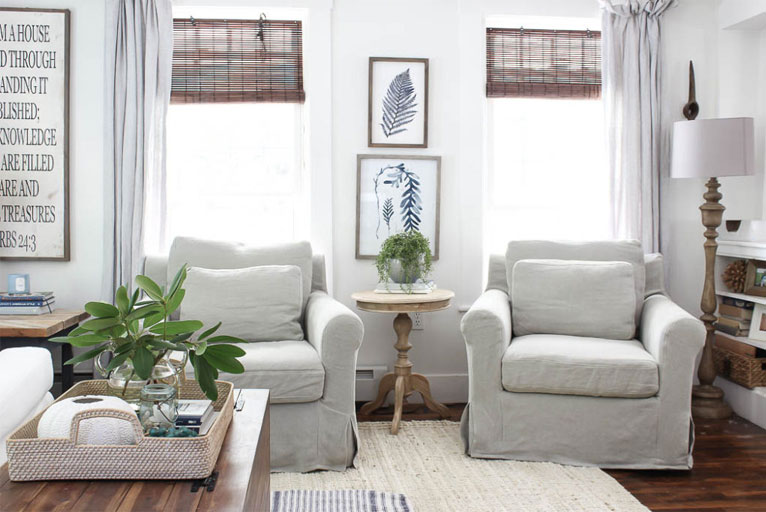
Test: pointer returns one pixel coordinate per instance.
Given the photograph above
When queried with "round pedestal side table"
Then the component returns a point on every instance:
(402, 381)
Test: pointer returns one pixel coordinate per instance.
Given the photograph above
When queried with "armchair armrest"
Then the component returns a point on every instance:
(488, 322)
(486, 329)
(336, 334)
(674, 338)
(669, 333)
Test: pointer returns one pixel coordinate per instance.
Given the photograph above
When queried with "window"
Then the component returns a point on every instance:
(235, 167)
(548, 177)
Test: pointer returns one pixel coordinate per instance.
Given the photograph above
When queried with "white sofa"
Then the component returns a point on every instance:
(26, 375)
(616, 403)
(312, 381)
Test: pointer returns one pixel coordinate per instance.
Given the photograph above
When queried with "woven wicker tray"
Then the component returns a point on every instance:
(152, 458)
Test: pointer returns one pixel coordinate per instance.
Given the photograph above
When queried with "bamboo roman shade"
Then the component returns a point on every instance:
(543, 63)
(226, 61)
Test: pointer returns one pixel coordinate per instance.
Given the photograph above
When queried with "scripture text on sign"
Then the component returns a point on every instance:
(33, 134)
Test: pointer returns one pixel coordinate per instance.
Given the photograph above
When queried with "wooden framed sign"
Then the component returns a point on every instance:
(34, 126)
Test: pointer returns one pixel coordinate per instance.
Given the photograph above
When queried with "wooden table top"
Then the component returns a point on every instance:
(403, 302)
(39, 326)
(233, 489)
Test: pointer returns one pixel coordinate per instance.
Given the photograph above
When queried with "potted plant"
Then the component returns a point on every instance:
(404, 258)
(141, 337)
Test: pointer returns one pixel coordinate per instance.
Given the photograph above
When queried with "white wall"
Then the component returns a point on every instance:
(78, 280)
(365, 28)
(726, 65)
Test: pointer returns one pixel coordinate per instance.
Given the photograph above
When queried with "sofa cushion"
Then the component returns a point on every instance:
(572, 365)
(613, 250)
(196, 252)
(581, 298)
(291, 370)
(256, 304)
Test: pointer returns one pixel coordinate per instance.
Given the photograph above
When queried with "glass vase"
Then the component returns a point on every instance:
(122, 382)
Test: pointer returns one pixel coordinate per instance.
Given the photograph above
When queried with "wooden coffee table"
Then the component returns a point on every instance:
(402, 381)
(242, 483)
(26, 330)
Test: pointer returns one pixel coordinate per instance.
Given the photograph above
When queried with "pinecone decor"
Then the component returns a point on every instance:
(734, 276)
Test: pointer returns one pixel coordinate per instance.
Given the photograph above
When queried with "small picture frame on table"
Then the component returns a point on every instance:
(758, 323)
(755, 278)
(18, 284)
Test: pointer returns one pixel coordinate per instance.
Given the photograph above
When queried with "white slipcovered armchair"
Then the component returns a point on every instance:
(311, 380)
(538, 393)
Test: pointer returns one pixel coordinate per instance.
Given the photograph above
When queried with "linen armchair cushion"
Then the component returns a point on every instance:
(290, 369)
(256, 304)
(623, 250)
(580, 298)
(213, 254)
(574, 365)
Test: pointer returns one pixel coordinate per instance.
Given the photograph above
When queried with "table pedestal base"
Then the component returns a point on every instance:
(402, 381)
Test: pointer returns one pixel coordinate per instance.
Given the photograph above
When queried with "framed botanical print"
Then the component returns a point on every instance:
(395, 194)
(397, 114)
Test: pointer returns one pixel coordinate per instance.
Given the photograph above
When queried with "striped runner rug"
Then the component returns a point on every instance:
(338, 501)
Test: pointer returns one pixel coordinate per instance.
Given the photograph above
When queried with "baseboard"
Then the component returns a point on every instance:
(448, 388)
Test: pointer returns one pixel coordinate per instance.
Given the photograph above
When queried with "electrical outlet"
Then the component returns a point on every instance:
(417, 322)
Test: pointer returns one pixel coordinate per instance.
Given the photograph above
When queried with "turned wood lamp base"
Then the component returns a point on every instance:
(708, 403)
(707, 399)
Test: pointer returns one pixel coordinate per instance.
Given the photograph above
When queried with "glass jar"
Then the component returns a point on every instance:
(158, 407)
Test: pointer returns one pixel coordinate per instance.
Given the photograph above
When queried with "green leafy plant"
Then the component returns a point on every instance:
(141, 332)
(413, 252)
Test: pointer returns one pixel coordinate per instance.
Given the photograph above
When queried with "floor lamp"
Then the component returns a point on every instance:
(711, 148)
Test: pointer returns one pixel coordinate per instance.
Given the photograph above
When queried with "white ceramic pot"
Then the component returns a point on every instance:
(397, 273)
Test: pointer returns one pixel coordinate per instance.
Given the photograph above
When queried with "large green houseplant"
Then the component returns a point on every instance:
(139, 333)
(404, 258)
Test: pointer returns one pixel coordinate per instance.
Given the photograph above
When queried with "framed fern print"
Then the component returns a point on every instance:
(395, 194)
(397, 113)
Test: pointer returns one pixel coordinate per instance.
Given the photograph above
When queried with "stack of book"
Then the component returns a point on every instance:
(734, 316)
(26, 303)
(196, 415)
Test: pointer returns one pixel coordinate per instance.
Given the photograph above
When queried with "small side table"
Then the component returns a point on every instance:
(26, 330)
(402, 380)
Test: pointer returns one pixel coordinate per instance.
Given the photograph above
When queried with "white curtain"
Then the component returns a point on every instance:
(139, 49)
(631, 71)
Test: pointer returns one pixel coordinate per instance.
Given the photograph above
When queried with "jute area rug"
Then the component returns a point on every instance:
(426, 463)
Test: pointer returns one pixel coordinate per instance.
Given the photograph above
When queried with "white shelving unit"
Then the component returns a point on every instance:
(748, 403)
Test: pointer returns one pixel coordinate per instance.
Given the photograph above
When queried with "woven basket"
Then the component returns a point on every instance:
(153, 458)
(744, 370)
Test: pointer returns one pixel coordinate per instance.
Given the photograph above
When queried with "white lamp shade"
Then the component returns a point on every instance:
(713, 148)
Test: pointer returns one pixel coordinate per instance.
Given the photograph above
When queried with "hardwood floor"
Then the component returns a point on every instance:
(729, 471)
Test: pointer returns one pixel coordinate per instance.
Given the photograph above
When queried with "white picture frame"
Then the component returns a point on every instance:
(758, 323)
(397, 110)
(383, 184)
